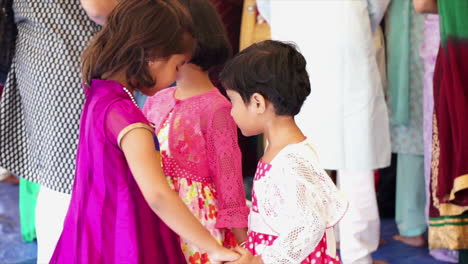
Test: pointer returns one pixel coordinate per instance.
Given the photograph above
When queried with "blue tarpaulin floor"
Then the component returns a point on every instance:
(14, 251)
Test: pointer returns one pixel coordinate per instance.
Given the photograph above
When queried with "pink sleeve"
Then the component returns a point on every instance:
(122, 117)
(225, 162)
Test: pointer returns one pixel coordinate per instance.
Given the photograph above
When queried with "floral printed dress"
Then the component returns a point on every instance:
(201, 199)
(202, 161)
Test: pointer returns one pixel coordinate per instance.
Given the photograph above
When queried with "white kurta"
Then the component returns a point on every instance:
(345, 116)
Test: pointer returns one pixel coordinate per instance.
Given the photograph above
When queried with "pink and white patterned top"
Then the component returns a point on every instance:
(203, 147)
(294, 208)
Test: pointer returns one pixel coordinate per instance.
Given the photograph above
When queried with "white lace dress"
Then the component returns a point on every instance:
(294, 208)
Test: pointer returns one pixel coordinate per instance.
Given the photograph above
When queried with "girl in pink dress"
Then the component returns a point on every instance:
(121, 201)
(294, 203)
(198, 138)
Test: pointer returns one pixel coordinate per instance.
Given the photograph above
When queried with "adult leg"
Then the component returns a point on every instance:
(410, 200)
(27, 208)
(360, 227)
(51, 209)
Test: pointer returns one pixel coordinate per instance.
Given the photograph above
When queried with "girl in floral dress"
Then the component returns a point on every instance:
(198, 138)
(294, 203)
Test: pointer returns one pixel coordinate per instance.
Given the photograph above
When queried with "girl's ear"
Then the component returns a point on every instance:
(258, 103)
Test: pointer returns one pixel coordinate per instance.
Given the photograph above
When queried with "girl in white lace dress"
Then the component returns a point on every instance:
(294, 203)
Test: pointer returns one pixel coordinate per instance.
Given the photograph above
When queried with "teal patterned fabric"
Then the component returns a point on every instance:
(404, 34)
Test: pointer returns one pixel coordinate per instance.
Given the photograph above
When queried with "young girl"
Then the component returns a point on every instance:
(198, 138)
(120, 190)
(294, 203)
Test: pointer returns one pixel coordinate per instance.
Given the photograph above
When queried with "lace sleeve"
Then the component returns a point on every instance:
(299, 206)
(225, 163)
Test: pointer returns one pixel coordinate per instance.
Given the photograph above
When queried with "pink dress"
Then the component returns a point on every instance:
(202, 161)
(108, 220)
(294, 208)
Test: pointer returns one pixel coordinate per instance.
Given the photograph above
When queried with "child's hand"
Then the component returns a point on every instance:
(222, 255)
(246, 257)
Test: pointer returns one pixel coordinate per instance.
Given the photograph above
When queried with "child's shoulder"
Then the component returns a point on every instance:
(302, 152)
(120, 105)
(298, 161)
(160, 100)
(218, 100)
(218, 104)
(164, 93)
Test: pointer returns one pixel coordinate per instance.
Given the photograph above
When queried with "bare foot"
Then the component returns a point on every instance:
(382, 242)
(414, 241)
(6, 176)
(379, 262)
(12, 179)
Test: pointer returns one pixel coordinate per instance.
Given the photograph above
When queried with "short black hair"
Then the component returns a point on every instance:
(274, 69)
(213, 48)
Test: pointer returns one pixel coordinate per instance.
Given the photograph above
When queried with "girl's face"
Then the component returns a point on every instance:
(246, 116)
(164, 72)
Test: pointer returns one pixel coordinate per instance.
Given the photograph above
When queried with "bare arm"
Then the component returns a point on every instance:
(426, 6)
(145, 164)
(98, 10)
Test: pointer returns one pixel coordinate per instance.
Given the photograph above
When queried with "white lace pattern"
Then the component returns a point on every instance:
(297, 201)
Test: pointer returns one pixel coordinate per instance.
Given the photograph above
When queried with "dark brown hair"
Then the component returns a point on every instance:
(213, 48)
(136, 32)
